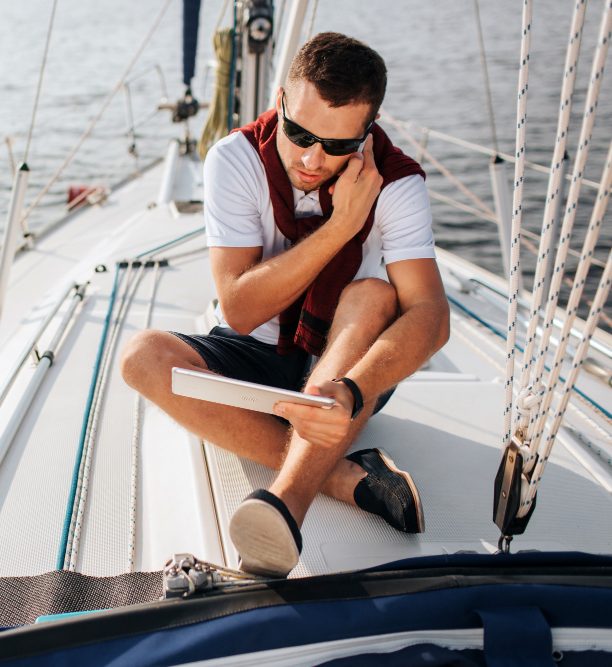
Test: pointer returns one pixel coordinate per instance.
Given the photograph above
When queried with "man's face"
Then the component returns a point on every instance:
(308, 168)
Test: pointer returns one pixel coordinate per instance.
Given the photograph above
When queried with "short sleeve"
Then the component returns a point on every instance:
(232, 193)
(403, 214)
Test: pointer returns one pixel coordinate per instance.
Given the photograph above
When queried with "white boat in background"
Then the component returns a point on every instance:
(99, 488)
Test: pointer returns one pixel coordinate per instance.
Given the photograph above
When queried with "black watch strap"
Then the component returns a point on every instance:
(357, 395)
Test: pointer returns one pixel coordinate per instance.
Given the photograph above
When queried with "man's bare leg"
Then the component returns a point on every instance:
(146, 366)
(366, 309)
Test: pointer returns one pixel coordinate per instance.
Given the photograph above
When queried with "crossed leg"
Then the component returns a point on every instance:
(365, 310)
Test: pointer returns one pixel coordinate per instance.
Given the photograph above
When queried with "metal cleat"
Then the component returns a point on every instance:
(185, 575)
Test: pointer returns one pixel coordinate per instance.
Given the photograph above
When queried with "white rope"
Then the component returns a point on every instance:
(441, 168)
(590, 242)
(81, 475)
(136, 436)
(85, 466)
(554, 186)
(537, 418)
(581, 353)
(105, 104)
(517, 216)
(479, 338)
(582, 153)
(106, 368)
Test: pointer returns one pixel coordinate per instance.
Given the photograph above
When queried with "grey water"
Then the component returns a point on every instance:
(435, 80)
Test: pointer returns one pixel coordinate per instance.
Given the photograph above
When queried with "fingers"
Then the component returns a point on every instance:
(356, 190)
(360, 162)
(353, 168)
(319, 426)
(368, 152)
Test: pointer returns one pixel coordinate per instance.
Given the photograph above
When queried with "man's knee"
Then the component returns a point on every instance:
(374, 295)
(142, 352)
(149, 356)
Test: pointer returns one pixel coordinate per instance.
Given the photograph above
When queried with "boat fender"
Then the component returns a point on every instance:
(78, 195)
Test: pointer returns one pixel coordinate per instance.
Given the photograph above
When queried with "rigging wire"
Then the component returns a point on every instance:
(411, 126)
(278, 20)
(170, 244)
(439, 166)
(221, 16)
(313, 16)
(40, 80)
(118, 86)
(485, 72)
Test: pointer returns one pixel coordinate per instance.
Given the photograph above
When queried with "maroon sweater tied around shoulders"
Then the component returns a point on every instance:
(306, 322)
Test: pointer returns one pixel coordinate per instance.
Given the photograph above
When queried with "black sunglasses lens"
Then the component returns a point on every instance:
(298, 135)
(340, 147)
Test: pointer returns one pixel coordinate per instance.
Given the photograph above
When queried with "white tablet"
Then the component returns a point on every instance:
(240, 394)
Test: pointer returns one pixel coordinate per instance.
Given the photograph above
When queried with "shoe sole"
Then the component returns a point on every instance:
(263, 539)
(390, 463)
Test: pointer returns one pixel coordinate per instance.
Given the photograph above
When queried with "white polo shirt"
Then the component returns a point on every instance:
(238, 214)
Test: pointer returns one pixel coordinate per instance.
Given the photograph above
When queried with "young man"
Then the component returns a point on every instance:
(299, 214)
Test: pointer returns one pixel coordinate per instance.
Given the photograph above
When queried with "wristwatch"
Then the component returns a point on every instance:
(357, 395)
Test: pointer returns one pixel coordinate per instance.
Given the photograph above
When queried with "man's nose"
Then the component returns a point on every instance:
(313, 158)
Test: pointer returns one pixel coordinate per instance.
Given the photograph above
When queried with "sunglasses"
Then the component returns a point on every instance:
(303, 138)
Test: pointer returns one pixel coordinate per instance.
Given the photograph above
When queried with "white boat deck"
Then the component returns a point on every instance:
(443, 425)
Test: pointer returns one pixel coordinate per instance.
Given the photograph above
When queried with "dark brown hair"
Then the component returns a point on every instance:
(343, 70)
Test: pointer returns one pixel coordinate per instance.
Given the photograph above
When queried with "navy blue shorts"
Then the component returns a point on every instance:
(245, 358)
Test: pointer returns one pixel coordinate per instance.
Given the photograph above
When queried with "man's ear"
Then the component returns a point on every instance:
(377, 116)
(279, 97)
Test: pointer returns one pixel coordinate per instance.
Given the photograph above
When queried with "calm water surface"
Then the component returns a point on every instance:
(435, 80)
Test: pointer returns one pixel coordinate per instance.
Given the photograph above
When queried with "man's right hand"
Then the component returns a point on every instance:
(252, 291)
(355, 191)
(322, 427)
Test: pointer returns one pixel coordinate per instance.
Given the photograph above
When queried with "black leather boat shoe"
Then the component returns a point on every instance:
(387, 491)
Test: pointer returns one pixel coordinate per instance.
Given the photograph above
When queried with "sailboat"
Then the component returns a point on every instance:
(114, 519)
